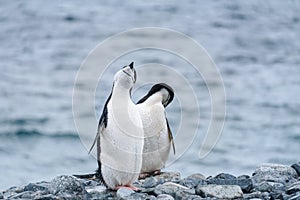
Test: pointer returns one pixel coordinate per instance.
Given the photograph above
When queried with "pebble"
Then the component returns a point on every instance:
(296, 167)
(220, 191)
(122, 193)
(173, 189)
(150, 182)
(164, 197)
(269, 181)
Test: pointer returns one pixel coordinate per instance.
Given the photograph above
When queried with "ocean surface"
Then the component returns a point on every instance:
(254, 44)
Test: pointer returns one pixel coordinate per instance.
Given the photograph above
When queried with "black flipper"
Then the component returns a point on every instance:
(170, 136)
(101, 126)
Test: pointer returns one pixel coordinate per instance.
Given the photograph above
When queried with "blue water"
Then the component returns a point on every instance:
(254, 44)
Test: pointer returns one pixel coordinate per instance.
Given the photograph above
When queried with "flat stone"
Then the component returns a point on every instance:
(295, 187)
(164, 197)
(220, 191)
(122, 193)
(245, 183)
(149, 182)
(274, 173)
(172, 188)
(267, 186)
(140, 196)
(296, 167)
(67, 187)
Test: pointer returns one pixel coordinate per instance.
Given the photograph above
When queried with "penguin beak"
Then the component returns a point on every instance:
(131, 65)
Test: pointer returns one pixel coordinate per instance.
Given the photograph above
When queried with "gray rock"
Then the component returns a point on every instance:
(274, 173)
(192, 182)
(1, 195)
(295, 187)
(67, 187)
(22, 195)
(106, 194)
(140, 196)
(168, 177)
(196, 176)
(294, 197)
(46, 197)
(266, 186)
(122, 193)
(225, 176)
(164, 197)
(220, 191)
(173, 189)
(296, 167)
(36, 186)
(244, 182)
(257, 195)
(149, 191)
(149, 182)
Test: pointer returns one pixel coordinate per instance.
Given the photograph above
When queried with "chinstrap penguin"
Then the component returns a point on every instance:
(119, 138)
(157, 134)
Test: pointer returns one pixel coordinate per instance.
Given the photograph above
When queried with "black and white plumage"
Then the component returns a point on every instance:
(157, 133)
(119, 138)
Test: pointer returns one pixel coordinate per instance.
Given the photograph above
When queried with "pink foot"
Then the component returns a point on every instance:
(128, 187)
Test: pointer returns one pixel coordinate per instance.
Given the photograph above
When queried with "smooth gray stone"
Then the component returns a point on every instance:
(149, 182)
(274, 173)
(196, 176)
(173, 189)
(220, 191)
(140, 196)
(164, 197)
(122, 193)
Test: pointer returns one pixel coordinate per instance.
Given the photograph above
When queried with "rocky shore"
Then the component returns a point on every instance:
(268, 181)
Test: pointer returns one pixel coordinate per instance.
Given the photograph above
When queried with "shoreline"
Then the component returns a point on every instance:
(268, 181)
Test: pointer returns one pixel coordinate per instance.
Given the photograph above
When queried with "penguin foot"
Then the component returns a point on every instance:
(147, 174)
(128, 187)
(156, 172)
(144, 175)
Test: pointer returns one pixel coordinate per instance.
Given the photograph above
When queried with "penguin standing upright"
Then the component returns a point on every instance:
(157, 133)
(119, 138)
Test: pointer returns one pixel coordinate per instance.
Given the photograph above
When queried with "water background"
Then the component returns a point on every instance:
(255, 44)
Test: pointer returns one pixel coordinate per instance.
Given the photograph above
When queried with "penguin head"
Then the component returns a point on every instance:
(163, 91)
(126, 76)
